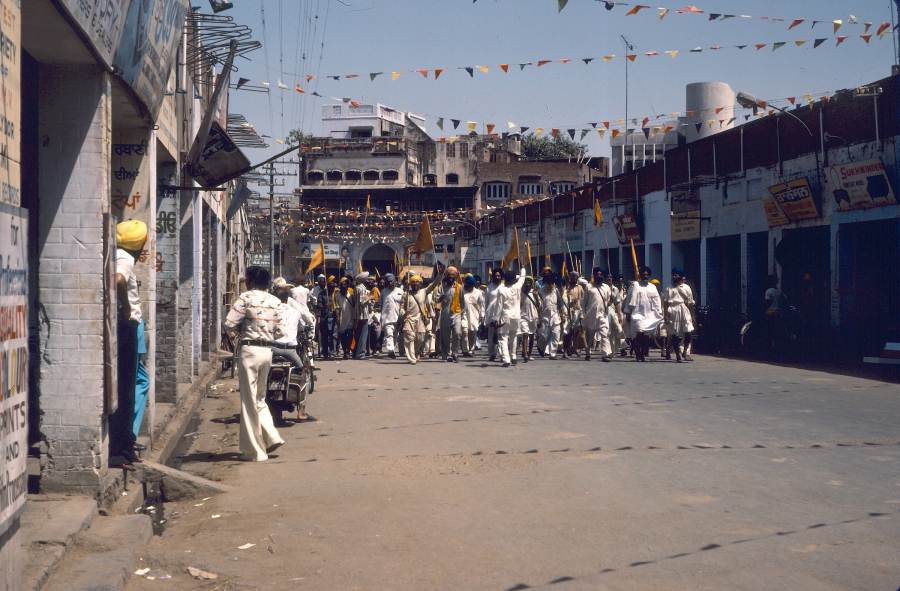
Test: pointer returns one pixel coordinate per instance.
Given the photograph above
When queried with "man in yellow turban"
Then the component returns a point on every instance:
(130, 238)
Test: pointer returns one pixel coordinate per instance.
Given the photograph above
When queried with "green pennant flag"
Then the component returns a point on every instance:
(562, 4)
(440, 123)
(522, 66)
(583, 133)
(777, 45)
(372, 75)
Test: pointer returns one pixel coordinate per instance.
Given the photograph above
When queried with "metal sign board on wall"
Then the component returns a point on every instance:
(860, 185)
(796, 200)
(774, 215)
(102, 22)
(686, 225)
(220, 159)
(260, 259)
(332, 251)
(14, 361)
(626, 228)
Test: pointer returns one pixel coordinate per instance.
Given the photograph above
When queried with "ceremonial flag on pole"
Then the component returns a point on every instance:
(318, 258)
(368, 203)
(513, 253)
(637, 274)
(598, 215)
(528, 249)
(424, 241)
(547, 260)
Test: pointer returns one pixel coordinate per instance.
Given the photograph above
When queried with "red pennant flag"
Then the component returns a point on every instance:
(646, 119)
(693, 9)
(490, 127)
(298, 89)
(423, 72)
(635, 10)
(504, 67)
(651, 53)
(308, 77)
(631, 57)
(719, 110)
(882, 28)
(716, 47)
(605, 124)
(542, 62)
(759, 46)
(354, 104)
(437, 72)
(866, 38)
(554, 131)
(791, 99)
(352, 76)
(796, 22)
(840, 40)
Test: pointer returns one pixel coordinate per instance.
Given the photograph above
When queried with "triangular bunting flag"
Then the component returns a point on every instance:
(471, 125)
(778, 45)
(455, 123)
(538, 131)
(852, 20)
(655, 130)
(395, 75)
(602, 132)
(504, 67)
(483, 68)
(635, 10)
(354, 104)
(799, 43)
(542, 62)
(759, 46)
(668, 128)
(719, 110)
(440, 123)
(564, 60)
(490, 127)
(672, 53)
(651, 53)
(740, 46)
(730, 121)
(837, 25)
(510, 125)
(522, 65)
(561, 4)
(605, 124)
(883, 27)
(606, 58)
(352, 76)
(644, 122)
(587, 60)
(698, 126)
(594, 125)
(866, 38)
(554, 131)
(646, 131)
(298, 89)
(663, 13)
(584, 132)
(241, 82)
(471, 72)
(373, 75)
(281, 85)
(423, 72)
(791, 99)
(615, 132)
(631, 57)
(308, 77)
(453, 139)
(437, 72)
(867, 27)
(713, 16)
(697, 50)
(796, 22)
(819, 42)
(840, 39)
(628, 132)
(523, 129)
(710, 123)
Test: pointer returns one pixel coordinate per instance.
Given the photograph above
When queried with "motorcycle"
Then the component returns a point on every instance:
(287, 386)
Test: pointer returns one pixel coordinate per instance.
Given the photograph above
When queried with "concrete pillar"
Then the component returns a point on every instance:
(166, 289)
(704, 281)
(74, 156)
(744, 273)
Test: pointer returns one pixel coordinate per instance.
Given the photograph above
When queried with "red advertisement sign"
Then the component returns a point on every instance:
(627, 228)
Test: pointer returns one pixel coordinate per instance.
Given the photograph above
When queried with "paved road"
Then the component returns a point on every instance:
(716, 474)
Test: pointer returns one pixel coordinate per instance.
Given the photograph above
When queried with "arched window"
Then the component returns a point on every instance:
(390, 175)
(495, 191)
(370, 175)
(352, 175)
(561, 187)
(335, 175)
(315, 176)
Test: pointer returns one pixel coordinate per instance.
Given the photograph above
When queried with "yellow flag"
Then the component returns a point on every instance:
(547, 261)
(472, 125)
(564, 272)
(528, 249)
(598, 215)
(637, 273)
(395, 75)
(368, 203)
(318, 258)
(424, 241)
(513, 253)
(538, 131)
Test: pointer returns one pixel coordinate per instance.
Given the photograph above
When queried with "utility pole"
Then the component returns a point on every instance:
(271, 172)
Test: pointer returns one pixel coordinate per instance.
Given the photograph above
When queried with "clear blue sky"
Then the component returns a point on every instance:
(363, 36)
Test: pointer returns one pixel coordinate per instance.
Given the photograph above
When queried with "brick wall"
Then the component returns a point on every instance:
(74, 156)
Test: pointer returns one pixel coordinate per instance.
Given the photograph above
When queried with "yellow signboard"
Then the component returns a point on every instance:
(796, 200)
(686, 225)
(774, 215)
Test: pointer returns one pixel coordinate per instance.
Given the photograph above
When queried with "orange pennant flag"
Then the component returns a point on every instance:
(605, 124)
(796, 22)
(542, 62)
(423, 72)
(352, 76)
(615, 132)
(554, 131)
(298, 89)
(437, 72)
(866, 38)
(791, 99)
(635, 9)
(565, 60)
(354, 104)
(631, 57)
(490, 127)
(840, 39)
(759, 46)
(719, 110)
(882, 28)
(504, 67)
(644, 122)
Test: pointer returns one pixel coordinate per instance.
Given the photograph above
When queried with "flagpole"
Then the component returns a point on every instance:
(362, 231)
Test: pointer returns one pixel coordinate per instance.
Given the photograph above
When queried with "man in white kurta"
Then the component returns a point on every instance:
(490, 301)
(679, 301)
(414, 309)
(553, 309)
(390, 313)
(643, 312)
(595, 314)
(505, 319)
(474, 314)
(529, 316)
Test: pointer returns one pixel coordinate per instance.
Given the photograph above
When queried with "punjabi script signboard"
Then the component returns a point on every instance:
(796, 200)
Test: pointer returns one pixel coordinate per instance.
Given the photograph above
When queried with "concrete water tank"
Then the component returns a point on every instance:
(704, 98)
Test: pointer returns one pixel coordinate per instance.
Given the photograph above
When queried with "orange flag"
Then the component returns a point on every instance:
(513, 253)
(490, 127)
(437, 72)
(635, 10)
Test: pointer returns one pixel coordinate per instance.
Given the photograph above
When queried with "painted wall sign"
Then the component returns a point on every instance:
(796, 200)
(102, 22)
(859, 185)
(260, 259)
(686, 225)
(332, 251)
(10, 102)
(774, 215)
(13, 363)
(626, 228)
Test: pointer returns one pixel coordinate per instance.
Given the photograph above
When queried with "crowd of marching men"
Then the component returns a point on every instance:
(452, 315)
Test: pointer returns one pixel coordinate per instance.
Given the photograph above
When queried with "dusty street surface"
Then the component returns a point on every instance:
(716, 474)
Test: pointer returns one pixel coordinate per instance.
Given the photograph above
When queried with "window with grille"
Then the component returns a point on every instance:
(430, 179)
(452, 179)
(558, 188)
(370, 175)
(390, 175)
(495, 191)
(451, 151)
(530, 188)
(464, 150)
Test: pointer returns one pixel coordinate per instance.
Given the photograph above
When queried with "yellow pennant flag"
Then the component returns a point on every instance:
(538, 131)
(424, 241)
(602, 132)
(799, 43)
(483, 68)
(318, 258)
(472, 125)
(672, 53)
(513, 253)
(598, 215)
(394, 76)
(453, 139)
(606, 58)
